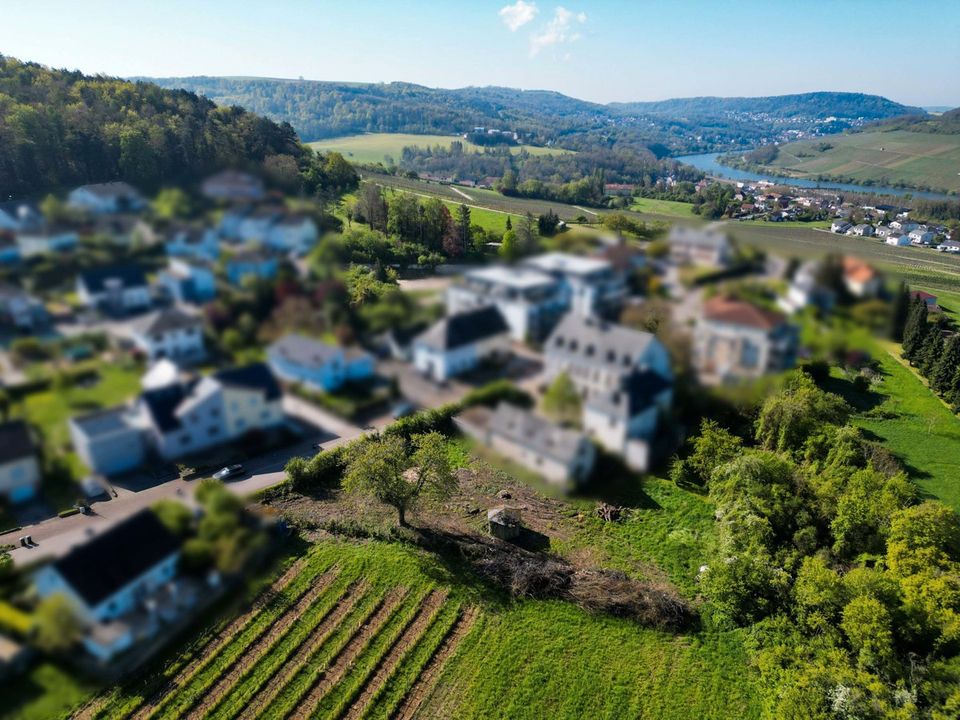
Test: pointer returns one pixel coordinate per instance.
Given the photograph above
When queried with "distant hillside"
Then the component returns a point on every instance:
(919, 152)
(321, 110)
(816, 105)
(60, 128)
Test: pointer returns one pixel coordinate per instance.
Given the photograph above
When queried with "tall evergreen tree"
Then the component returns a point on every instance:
(899, 311)
(947, 366)
(951, 393)
(915, 329)
(930, 351)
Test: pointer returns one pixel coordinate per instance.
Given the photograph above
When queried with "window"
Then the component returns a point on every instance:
(214, 412)
(213, 431)
(264, 414)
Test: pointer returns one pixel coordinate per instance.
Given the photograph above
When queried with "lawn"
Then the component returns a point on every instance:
(45, 692)
(377, 147)
(354, 625)
(667, 208)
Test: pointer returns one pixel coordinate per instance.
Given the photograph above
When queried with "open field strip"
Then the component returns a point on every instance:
(374, 147)
(208, 648)
(178, 703)
(427, 678)
(291, 664)
(315, 622)
(382, 661)
(328, 677)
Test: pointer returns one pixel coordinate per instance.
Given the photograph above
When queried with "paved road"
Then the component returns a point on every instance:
(56, 536)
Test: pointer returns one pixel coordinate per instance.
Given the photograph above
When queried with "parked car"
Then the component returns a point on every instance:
(225, 473)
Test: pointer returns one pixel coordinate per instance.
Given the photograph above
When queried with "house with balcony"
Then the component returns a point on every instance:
(736, 340)
(592, 285)
(530, 301)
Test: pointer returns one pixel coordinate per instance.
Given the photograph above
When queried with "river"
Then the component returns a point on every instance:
(707, 162)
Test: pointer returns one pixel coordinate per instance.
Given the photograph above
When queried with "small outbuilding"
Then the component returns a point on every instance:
(505, 523)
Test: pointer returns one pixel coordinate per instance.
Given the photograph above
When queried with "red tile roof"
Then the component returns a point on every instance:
(737, 312)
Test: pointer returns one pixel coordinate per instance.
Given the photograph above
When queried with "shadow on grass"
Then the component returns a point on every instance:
(860, 399)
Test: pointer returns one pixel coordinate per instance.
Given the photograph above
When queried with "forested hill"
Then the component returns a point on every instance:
(60, 129)
(328, 109)
(947, 123)
(819, 105)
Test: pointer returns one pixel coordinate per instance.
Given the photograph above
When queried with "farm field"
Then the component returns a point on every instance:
(372, 630)
(891, 157)
(667, 208)
(375, 147)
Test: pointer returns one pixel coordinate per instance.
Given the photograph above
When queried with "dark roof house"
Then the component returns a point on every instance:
(465, 328)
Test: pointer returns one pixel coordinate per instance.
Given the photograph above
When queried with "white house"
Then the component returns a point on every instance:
(860, 279)
(110, 441)
(735, 340)
(458, 343)
(921, 236)
(530, 301)
(862, 230)
(950, 246)
(21, 310)
(804, 291)
(113, 582)
(297, 358)
(169, 333)
(840, 226)
(117, 288)
(106, 198)
(19, 469)
(561, 456)
(703, 247)
(904, 226)
(898, 240)
(594, 288)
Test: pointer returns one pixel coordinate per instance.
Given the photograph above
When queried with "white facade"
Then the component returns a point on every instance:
(898, 240)
(246, 410)
(115, 295)
(183, 344)
(592, 286)
(443, 364)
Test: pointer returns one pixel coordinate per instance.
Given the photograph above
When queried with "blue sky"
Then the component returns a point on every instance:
(601, 50)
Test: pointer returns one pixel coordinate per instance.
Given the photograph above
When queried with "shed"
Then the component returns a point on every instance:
(505, 523)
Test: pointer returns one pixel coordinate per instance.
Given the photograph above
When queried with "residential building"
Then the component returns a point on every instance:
(189, 241)
(898, 240)
(233, 186)
(929, 299)
(251, 399)
(805, 291)
(561, 456)
(840, 226)
(703, 247)
(458, 343)
(904, 226)
(592, 285)
(45, 239)
(860, 279)
(950, 246)
(598, 356)
(256, 223)
(253, 263)
(115, 288)
(21, 310)
(115, 583)
(736, 340)
(884, 231)
(294, 233)
(187, 281)
(124, 229)
(169, 333)
(530, 301)
(862, 230)
(19, 469)
(921, 236)
(9, 249)
(109, 442)
(106, 198)
(297, 358)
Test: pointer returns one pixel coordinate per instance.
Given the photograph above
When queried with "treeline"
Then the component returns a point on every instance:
(573, 178)
(60, 129)
(931, 347)
(847, 580)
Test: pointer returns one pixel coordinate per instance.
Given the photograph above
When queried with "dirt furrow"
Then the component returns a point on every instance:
(425, 683)
(339, 665)
(259, 648)
(310, 645)
(389, 662)
(215, 644)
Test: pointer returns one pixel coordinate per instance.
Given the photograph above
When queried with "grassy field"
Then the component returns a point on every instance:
(45, 692)
(888, 157)
(666, 208)
(373, 630)
(376, 147)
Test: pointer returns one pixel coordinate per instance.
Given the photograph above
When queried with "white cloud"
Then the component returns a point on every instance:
(519, 14)
(560, 30)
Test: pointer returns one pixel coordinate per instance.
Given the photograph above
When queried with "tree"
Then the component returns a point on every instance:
(464, 229)
(899, 310)
(915, 329)
(509, 247)
(562, 402)
(944, 370)
(819, 594)
(930, 351)
(377, 468)
(713, 447)
(509, 225)
(866, 623)
(790, 416)
(527, 235)
(175, 516)
(171, 203)
(56, 628)
(547, 223)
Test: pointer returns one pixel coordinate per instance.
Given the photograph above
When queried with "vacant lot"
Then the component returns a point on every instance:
(377, 147)
(373, 630)
(889, 157)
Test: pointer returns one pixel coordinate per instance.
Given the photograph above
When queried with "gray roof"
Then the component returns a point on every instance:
(167, 320)
(567, 264)
(637, 393)
(103, 422)
(465, 328)
(598, 343)
(536, 433)
(304, 351)
(117, 189)
(682, 235)
(15, 441)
